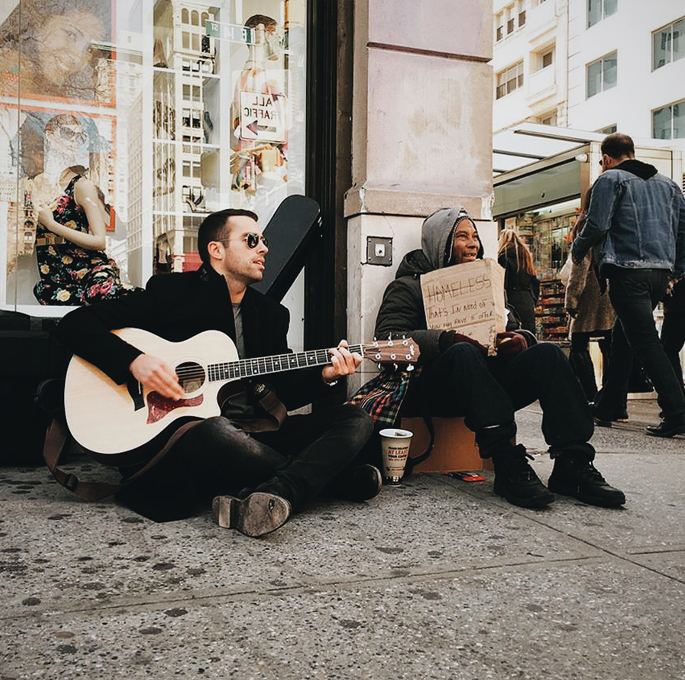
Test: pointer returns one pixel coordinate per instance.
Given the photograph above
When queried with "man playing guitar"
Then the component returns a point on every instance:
(268, 470)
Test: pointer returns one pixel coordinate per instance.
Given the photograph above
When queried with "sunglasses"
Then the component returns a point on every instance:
(252, 240)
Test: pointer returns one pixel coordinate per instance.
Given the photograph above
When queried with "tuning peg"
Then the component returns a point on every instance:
(410, 367)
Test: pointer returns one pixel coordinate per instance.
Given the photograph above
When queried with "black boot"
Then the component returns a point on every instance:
(516, 481)
(575, 475)
(668, 427)
(257, 515)
(357, 483)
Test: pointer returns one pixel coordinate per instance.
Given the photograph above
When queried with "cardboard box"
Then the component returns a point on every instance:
(468, 298)
(455, 446)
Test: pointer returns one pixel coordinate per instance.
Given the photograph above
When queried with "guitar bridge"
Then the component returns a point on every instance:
(135, 391)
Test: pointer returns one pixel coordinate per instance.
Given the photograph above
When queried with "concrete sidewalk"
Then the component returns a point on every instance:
(436, 578)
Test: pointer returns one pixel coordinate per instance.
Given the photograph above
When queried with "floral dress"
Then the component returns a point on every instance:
(70, 274)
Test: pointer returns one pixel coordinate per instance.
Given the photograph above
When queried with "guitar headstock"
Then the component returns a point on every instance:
(395, 351)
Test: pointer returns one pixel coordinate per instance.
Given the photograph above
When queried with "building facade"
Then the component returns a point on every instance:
(594, 65)
(379, 110)
(566, 73)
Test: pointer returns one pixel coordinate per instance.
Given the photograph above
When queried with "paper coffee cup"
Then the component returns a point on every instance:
(395, 447)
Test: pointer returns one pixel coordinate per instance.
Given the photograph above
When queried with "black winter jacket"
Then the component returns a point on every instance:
(177, 307)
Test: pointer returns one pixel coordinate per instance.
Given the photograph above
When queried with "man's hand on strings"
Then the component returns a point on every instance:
(156, 375)
(343, 362)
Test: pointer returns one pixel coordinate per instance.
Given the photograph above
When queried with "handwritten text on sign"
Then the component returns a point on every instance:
(468, 298)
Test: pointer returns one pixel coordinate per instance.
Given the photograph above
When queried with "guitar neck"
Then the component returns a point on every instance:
(247, 368)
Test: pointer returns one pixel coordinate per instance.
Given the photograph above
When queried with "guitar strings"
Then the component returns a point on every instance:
(275, 363)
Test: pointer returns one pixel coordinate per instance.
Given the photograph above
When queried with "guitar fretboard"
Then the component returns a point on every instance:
(246, 368)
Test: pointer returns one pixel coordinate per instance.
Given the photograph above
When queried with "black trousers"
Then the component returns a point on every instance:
(215, 457)
(673, 328)
(634, 294)
(581, 361)
(487, 392)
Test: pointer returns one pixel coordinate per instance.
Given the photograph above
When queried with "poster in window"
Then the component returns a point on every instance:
(58, 49)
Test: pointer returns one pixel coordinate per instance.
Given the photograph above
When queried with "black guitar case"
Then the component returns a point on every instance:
(292, 232)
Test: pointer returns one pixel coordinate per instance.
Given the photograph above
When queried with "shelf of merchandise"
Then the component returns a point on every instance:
(550, 316)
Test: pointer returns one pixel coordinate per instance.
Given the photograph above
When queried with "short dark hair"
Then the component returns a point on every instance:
(617, 145)
(213, 228)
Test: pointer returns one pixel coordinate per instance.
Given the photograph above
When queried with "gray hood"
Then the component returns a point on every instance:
(436, 243)
(436, 235)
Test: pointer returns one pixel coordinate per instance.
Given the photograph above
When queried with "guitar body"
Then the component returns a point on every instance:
(108, 418)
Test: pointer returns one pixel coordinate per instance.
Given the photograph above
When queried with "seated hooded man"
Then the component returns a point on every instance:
(457, 378)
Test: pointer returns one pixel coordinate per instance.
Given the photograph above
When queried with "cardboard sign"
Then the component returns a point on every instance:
(468, 298)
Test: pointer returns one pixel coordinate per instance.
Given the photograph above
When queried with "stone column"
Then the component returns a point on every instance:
(421, 134)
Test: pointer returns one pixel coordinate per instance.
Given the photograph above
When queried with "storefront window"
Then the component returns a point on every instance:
(545, 231)
(171, 109)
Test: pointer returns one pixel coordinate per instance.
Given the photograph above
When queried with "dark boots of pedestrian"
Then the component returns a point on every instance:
(575, 475)
(516, 481)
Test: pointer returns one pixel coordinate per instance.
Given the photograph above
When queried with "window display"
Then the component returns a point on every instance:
(172, 109)
(545, 231)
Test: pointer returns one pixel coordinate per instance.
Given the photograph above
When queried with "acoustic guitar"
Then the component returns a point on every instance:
(108, 418)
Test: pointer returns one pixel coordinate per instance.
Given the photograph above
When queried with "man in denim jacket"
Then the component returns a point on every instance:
(636, 225)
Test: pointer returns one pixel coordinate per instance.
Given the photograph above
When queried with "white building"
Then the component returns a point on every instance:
(595, 65)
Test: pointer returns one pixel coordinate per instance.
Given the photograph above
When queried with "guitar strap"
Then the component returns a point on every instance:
(56, 441)
(271, 404)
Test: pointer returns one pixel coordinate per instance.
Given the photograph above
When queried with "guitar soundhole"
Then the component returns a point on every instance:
(191, 376)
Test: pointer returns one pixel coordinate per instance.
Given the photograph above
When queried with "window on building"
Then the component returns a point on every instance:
(668, 43)
(609, 130)
(601, 75)
(509, 80)
(499, 27)
(546, 58)
(511, 24)
(549, 118)
(669, 121)
(600, 9)
(522, 18)
(194, 18)
(184, 16)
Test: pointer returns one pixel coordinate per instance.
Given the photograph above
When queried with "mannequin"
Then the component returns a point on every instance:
(70, 242)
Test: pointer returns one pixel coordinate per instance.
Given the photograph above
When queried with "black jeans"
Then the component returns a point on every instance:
(214, 458)
(634, 294)
(487, 392)
(581, 361)
(673, 327)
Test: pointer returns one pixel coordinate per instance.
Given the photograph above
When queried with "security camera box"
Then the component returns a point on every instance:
(467, 298)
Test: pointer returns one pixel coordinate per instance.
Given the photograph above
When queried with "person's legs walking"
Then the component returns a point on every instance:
(611, 399)
(634, 295)
(582, 365)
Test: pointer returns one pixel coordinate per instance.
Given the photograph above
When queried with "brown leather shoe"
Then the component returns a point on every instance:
(257, 515)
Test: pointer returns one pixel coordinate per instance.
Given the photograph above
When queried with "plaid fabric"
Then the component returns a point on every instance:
(383, 395)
